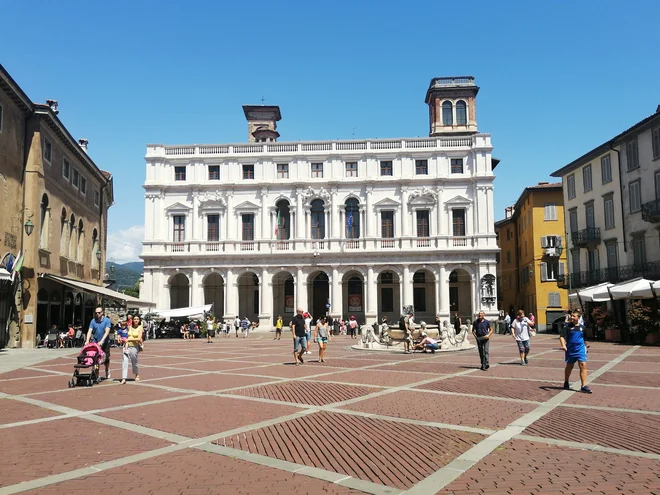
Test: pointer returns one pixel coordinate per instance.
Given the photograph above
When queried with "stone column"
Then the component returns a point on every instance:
(335, 216)
(300, 215)
(473, 294)
(195, 235)
(264, 215)
(371, 314)
(444, 290)
(301, 290)
(231, 296)
(440, 213)
(230, 232)
(266, 300)
(159, 215)
(436, 274)
(407, 286)
(405, 224)
(336, 301)
(195, 284)
(369, 220)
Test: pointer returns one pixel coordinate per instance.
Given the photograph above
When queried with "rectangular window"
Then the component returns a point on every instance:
(655, 138)
(387, 300)
(66, 169)
(570, 186)
(97, 198)
(180, 173)
(48, 150)
(214, 172)
(76, 178)
(421, 167)
(632, 155)
(612, 258)
(575, 262)
(248, 172)
(456, 165)
(282, 170)
(586, 178)
(589, 215)
(386, 167)
(179, 228)
(458, 222)
(83, 186)
(606, 169)
(508, 257)
(554, 300)
(635, 196)
(593, 260)
(419, 298)
(508, 234)
(351, 169)
(549, 271)
(639, 252)
(550, 212)
(387, 224)
(573, 220)
(317, 170)
(524, 276)
(213, 223)
(608, 207)
(423, 224)
(247, 222)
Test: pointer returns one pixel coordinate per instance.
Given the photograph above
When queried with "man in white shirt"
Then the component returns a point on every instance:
(520, 328)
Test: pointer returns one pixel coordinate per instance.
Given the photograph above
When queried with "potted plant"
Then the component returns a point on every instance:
(604, 320)
(642, 322)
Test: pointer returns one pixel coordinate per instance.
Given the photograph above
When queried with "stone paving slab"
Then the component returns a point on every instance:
(378, 377)
(47, 383)
(210, 382)
(305, 392)
(628, 398)
(634, 379)
(14, 411)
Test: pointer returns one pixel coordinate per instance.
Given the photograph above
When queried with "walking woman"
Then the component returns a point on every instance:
(131, 349)
(322, 335)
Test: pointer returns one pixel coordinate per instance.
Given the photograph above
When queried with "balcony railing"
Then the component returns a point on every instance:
(651, 211)
(649, 270)
(586, 237)
(423, 242)
(387, 243)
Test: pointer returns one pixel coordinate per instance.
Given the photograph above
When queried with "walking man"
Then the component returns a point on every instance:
(237, 324)
(245, 324)
(507, 324)
(99, 330)
(299, 334)
(520, 331)
(278, 328)
(482, 332)
(571, 338)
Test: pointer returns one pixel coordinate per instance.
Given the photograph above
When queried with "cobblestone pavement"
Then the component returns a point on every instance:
(237, 416)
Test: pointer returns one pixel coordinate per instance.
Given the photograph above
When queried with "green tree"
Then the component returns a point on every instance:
(133, 291)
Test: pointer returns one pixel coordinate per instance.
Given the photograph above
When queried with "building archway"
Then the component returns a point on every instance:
(283, 296)
(179, 291)
(424, 296)
(389, 297)
(460, 294)
(283, 220)
(214, 293)
(353, 295)
(248, 296)
(319, 294)
(42, 311)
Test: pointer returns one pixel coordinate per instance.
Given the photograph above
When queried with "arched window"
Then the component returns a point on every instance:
(352, 218)
(73, 238)
(95, 247)
(318, 219)
(461, 113)
(283, 220)
(447, 113)
(44, 227)
(81, 242)
(64, 234)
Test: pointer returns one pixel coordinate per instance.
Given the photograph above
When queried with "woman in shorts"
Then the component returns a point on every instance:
(322, 335)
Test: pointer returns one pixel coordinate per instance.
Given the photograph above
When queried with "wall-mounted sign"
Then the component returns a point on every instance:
(28, 319)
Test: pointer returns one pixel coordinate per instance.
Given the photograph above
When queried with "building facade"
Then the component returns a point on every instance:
(612, 203)
(532, 257)
(48, 182)
(359, 227)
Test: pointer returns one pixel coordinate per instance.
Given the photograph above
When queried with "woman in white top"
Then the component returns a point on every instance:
(520, 330)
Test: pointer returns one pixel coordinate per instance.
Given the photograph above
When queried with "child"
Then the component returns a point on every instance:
(571, 339)
(123, 332)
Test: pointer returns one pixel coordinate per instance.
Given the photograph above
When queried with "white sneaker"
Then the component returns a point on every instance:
(108, 376)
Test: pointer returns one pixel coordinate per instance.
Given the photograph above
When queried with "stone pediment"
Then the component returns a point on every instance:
(387, 203)
(423, 195)
(247, 205)
(178, 207)
(458, 200)
(212, 200)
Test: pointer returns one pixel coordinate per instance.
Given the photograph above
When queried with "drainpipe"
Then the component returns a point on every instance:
(623, 219)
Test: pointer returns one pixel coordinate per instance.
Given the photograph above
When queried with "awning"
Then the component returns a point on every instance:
(133, 302)
(190, 312)
(635, 289)
(595, 293)
(4, 274)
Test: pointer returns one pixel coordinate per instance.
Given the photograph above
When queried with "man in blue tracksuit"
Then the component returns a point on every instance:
(571, 338)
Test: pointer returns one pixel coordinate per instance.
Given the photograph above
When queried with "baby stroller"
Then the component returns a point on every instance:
(87, 370)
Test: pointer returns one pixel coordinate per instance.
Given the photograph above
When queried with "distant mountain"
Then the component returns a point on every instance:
(125, 275)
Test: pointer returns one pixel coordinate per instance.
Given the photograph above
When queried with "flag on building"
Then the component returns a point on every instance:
(349, 219)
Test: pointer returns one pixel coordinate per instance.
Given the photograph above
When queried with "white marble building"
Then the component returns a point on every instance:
(359, 227)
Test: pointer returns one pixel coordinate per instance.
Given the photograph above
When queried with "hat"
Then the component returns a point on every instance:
(305, 314)
(352, 317)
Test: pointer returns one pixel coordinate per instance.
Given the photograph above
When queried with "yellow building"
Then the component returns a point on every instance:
(532, 257)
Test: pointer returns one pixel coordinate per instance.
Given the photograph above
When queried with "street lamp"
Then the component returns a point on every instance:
(98, 255)
(29, 227)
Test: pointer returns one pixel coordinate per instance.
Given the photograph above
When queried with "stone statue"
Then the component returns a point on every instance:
(385, 334)
(368, 335)
(444, 335)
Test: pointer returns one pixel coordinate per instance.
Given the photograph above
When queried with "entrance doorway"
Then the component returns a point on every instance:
(319, 295)
(248, 296)
(283, 296)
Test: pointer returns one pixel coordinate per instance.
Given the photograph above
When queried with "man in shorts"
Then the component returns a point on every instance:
(571, 338)
(299, 334)
(308, 330)
(99, 330)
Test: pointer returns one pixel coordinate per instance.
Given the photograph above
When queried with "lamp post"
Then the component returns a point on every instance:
(28, 226)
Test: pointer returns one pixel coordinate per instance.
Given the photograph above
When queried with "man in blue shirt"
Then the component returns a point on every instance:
(571, 338)
(482, 332)
(99, 330)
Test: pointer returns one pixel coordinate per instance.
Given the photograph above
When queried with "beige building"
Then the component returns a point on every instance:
(55, 203)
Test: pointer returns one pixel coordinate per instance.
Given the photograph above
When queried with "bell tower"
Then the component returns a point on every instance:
(262, 123)
(452, 105)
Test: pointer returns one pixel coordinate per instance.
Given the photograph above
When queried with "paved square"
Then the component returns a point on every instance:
(237, 417)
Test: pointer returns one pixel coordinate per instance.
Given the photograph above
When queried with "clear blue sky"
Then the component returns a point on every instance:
(556, 78)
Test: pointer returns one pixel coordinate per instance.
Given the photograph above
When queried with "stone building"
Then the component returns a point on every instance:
(55, 202)
(355, 227)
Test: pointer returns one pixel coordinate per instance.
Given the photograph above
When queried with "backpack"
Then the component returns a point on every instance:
(402, 323)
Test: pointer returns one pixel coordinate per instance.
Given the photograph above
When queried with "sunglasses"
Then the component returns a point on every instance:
(99, 312)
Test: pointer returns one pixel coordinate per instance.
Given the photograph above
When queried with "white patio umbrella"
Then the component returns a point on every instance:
(595, 293)
(633, 289)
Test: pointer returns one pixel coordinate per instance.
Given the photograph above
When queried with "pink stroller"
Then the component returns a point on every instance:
(87, 370)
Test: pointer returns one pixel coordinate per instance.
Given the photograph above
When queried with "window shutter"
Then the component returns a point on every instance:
(544, 241)
(553, 211)
(562, 269)
(559, 241)
(544, 272)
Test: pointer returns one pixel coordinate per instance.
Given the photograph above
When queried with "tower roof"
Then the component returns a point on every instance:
(451, 83)
(262, 112)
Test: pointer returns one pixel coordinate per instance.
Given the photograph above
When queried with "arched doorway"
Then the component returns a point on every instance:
(353, 296)
(179, 291)
(283, 220)
(424, 296)
(42, 311)
(56, 309)
(214, 293)
(389, 299)
(460, 294)
(283, 296)
(68, 308)
(248, 296)
(319, 295)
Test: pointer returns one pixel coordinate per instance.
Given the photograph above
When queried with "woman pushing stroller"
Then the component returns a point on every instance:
(132, 347)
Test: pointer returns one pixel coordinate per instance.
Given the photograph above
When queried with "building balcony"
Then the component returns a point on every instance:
(651, 211)
(648, 270)
(586, 237)
(315, 246)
